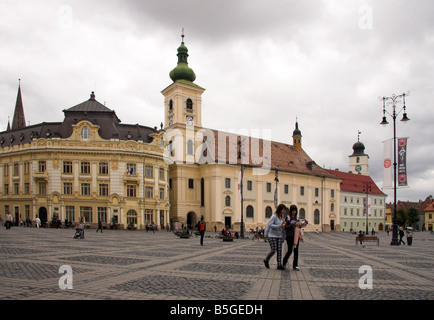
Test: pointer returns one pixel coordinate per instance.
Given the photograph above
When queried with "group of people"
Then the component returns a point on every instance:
(281, 228)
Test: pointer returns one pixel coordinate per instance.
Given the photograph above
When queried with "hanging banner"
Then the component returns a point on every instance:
(388, 168)
(402, 162)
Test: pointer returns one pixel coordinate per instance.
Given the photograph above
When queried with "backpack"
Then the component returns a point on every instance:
(202, 226)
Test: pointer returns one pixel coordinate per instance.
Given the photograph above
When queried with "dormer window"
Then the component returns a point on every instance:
(85, 132)
(189, 105)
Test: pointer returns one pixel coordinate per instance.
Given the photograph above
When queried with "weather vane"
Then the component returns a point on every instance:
(358, 135)
(182, 35)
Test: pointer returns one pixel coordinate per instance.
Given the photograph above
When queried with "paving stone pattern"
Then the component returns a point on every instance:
(127, 265)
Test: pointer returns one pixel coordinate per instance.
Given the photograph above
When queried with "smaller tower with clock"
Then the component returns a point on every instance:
(359, 160)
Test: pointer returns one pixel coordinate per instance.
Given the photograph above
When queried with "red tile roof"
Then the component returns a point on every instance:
(429, 208)
(355, 182)
(282, 157)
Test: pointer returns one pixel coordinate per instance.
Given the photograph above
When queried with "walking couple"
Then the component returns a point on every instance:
(279, 228)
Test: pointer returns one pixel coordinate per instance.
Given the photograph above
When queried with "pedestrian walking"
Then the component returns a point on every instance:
(401, 235)
(293, 237)
(274, 232)
(99, 226)
(215, 228)
(202, 227)
(8, 219)
(37, 222)
(154, 227)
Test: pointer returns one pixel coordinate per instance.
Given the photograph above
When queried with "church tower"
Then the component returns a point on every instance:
(19, 122)
(359, 161)
(296, 136)
(183, 98)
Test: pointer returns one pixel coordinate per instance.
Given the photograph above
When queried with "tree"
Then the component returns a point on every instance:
(412, 216)
(401, 215)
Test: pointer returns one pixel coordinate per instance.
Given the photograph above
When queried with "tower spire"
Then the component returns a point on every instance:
(296, 135)
(9, 124)
(19, 121)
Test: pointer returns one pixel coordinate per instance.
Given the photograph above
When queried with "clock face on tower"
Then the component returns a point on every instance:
(190, 120)
(358, 168)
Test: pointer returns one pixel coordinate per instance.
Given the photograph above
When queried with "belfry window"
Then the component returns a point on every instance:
(189, 104)
(170, 105)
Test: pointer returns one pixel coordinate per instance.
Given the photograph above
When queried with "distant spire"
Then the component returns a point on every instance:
(9, 124)
(19, 121)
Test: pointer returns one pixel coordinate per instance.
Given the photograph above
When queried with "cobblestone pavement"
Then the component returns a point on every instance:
(131, 265)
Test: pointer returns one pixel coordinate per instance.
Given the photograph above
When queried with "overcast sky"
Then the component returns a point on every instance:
(264, 62)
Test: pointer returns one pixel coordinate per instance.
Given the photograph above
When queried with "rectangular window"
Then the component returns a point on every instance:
(27, 211)
(358, 200)
(131, 168)
(26, 168)
(102, 214)
(170, 183)
(149, 216)
(42, 186)
(332, 193)
(345, 211)
(67, 167)
(16, 188)
(190, 183)
(6, 189)
(302, 191)
(351, 212)
(85, 189)
(6, 170)
(85, 168)
(67, 188)
(316, 192)
(161, 193)
(131, 190)
(345, 199)
(70, 213)
(86, 212)
(286, 189)
(103, 168)
(358, 212)
(268, 187)
(103, 190)
(149, 192)
(149, 171)
(375, 201)
(381, 202)
(42, 166)
(249, 185)
(162, 174)
(16, 169)
(430, 216)
(27, 188)
(351, 200)
(228, 183)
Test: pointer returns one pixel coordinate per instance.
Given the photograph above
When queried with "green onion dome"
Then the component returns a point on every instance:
(182, 70)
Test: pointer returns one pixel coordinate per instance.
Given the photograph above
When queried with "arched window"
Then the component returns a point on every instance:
(228, 201)
(268, 212)
(170, 105)
(189, 104)
(358, 159)
(302, 214)
(249, 212)
(131, 217)
(85, 133)
(316, 217)
(189, 147)
(332, 207)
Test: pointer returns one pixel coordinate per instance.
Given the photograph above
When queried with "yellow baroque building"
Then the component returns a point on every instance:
(205, 165)
(90, 165)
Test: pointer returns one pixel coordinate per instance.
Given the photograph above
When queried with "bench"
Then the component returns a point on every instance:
(368, 239)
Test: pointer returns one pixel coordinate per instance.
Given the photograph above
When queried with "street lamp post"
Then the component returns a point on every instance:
(394, 98)
(240, 154)
(367, 188)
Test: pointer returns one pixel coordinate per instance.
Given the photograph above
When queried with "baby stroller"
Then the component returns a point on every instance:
(79, 231)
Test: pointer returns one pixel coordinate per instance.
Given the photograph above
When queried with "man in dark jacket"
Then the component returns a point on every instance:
(290, 233)
(202, 227)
